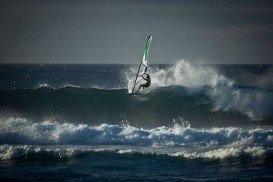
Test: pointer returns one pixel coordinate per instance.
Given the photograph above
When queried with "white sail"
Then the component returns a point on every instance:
(143, 65)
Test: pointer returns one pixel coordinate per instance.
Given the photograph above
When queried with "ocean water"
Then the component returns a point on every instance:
(77, 122)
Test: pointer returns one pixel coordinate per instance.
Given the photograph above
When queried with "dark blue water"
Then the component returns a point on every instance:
(77, 122)
(108, 166)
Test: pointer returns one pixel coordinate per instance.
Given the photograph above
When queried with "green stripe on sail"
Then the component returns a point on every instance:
(146, 52)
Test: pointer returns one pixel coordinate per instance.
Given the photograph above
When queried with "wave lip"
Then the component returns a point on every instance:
(32, 151)
(231, 151)
(8, 152)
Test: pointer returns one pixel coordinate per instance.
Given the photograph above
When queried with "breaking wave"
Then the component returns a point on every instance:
(20, 138)
(225, 93)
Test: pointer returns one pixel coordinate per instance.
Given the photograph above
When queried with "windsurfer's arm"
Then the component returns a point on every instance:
(144, 78)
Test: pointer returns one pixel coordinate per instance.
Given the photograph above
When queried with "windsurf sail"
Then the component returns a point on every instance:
(142, 69)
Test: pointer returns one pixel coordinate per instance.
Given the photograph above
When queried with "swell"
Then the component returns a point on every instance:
(155, 108)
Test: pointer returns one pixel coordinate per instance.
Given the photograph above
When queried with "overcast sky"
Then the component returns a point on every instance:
(115, 31)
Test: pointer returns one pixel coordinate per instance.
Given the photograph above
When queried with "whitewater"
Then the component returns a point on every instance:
(34, 138)
(217, 118)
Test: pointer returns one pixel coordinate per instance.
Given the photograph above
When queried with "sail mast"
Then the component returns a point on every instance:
(144, 60)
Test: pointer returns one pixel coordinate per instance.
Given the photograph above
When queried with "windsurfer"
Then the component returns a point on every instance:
(148, 81)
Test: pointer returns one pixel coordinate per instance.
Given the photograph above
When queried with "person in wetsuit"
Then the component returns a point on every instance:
(148, 81)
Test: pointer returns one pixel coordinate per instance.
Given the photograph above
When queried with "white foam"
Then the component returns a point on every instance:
(44, 85)
(65, 85)
(70, 85)
(124, 151)
(245, 147)
(175, 140)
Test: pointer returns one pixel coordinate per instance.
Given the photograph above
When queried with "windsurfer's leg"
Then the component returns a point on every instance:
(142, 86)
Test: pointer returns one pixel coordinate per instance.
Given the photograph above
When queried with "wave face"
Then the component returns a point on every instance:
(156, 108)
(20, 138)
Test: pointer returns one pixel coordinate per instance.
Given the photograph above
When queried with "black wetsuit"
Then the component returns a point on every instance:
(148, 82)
